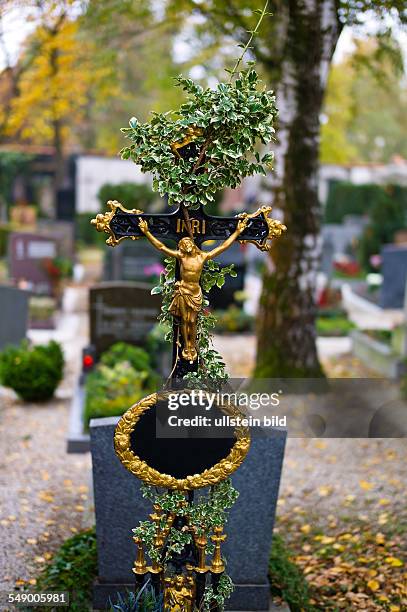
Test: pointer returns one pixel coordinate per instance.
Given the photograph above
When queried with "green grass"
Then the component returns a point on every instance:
(334, 326)
(287, 579)
(343, 276)
(381, 335)
(73, 569)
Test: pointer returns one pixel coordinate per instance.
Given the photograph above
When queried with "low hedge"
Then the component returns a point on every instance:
(137, 357)
(110, 391)
(388, 214)
(85, 232)
(333, 322)
(346, 198)
(33, 372)
(131, 195)
(123, 376)
(287, 579)
(159, 344)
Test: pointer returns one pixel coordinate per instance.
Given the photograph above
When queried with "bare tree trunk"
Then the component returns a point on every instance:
(286, 337)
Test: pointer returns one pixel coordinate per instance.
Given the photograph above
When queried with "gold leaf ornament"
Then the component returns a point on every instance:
(213, 475)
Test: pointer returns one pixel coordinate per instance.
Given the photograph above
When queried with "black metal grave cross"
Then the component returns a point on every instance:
(121, 223)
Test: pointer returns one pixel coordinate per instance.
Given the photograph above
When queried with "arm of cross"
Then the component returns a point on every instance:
(241, 226)
(120, 223)
(143, 225)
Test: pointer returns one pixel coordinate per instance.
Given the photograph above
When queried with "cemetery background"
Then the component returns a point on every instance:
(59, 495)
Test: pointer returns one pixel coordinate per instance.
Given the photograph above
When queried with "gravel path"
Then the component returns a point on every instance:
(359, 477)
(43, 491)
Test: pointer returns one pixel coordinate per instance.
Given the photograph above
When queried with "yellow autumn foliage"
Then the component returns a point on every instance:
(59, 85)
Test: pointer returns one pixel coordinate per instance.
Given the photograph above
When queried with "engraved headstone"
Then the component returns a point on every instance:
(14, 315)
(121, 312)
(28, 257)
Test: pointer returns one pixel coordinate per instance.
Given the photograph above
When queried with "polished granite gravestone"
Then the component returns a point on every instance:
(394, 271)
(28, 255)
(119, 507)
(121, 312)
(14, 315)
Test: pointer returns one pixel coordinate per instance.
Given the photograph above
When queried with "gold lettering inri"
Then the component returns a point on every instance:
(198, 226)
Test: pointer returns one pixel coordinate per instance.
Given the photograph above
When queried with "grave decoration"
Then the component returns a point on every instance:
(210, 143)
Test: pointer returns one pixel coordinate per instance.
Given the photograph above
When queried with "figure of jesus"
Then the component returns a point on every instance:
(187, 300)
(179, 594)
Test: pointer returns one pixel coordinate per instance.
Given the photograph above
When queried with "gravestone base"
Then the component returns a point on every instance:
(248, 597)
(119, 506)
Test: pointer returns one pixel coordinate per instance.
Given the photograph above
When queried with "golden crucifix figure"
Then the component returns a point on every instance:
(187, 300)
(179, 594)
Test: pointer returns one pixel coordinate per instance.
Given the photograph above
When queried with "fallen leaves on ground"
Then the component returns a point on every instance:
(352, 567)
(347, 366)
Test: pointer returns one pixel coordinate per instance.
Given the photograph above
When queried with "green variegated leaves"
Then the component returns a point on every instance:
(231, 124)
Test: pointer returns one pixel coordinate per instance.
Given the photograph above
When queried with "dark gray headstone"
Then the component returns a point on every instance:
(121, 312)
(14, 315)
(119, 507)
(132, 261)
(29, 255)
(394, 271)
